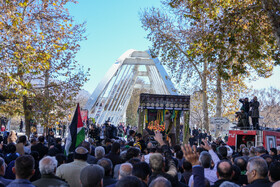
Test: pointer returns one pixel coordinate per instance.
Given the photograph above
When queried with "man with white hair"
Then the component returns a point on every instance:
(257, 171)
(99, 152)
(47, 167)
(125, 170)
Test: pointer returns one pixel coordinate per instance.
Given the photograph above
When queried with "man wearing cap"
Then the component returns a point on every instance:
(69, 171)
(92, 175)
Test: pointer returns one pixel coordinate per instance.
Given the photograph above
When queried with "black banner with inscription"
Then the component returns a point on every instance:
(166, 102)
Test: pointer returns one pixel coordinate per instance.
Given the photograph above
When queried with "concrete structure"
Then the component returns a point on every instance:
(112, 95)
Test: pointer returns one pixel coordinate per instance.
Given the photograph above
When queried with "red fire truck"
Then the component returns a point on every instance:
(266, 138)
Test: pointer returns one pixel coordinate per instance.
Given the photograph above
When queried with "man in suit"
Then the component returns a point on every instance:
(108, 167)
(40, 147)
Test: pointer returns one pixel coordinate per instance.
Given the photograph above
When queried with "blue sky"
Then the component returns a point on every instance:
(113, 27)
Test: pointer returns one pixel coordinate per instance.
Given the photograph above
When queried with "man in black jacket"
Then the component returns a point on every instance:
(257, 171)
(245, 104)
(254, 105)
(114, 154)
(108, 166)
(40, 147)
(224, 172)
(245, 107)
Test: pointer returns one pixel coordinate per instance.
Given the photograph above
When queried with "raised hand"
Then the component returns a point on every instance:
(158, 138)
(190, 154)
(206, 145)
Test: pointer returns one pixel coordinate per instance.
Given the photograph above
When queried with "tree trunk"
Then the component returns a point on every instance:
(177, 129)
(47, 95)
(186, 127)
(140, 120)
(205, 99)
(27, 116)
(219, 96)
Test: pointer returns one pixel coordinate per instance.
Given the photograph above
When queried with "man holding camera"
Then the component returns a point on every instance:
(244, 114)
(245, 104)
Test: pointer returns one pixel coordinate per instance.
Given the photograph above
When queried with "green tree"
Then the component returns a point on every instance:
(212, 40)
(272, 8)
(39, 41)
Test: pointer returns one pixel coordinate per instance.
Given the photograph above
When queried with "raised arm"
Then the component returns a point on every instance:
(193, 157)
(214, 156)
(168, 155)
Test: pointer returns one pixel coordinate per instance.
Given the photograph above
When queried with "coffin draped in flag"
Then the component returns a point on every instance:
(76, 132)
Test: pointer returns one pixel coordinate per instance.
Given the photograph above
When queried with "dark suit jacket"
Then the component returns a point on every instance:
(242, 180)
(260, 183)
(91, 159)
(116, 159)
(185, 177)
(41, 149)
(198, 176)
(108, 181)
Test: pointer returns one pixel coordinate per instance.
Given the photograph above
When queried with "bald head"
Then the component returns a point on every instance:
(125, 170)
(224, 170)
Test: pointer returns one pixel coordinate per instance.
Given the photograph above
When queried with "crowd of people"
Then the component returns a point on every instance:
(135, 162)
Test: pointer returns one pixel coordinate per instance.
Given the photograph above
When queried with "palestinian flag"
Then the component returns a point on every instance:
(76, 132)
